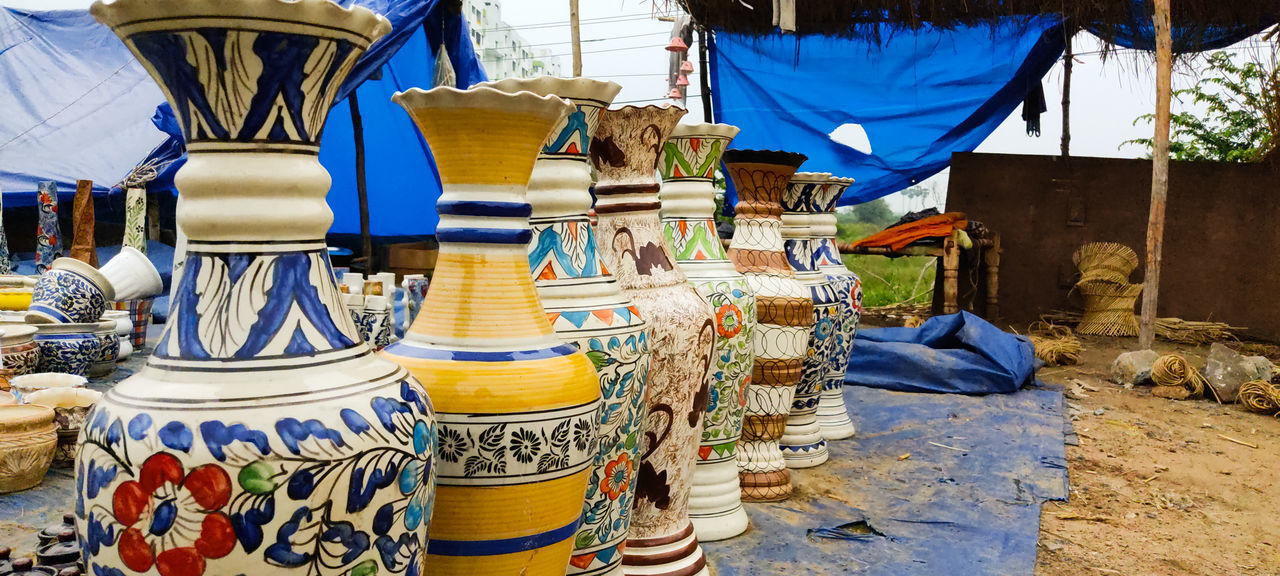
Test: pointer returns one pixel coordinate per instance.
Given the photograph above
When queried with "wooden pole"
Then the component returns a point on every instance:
(1067, 66)
(362, 190)
(704, 79)
(576, 37)
(1159, 173)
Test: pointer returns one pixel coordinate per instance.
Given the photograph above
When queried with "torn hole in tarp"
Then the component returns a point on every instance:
(859, 529)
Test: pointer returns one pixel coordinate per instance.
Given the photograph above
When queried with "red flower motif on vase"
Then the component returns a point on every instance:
(617, 476)
(173, 521)
(728, 321)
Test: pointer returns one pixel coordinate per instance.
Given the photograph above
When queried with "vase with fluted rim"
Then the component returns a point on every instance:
(833, 415)
(588, 309)
(803, 445)
(784, 317)
(625, 152)
(688, 166)
(262, 432)
(517, 406)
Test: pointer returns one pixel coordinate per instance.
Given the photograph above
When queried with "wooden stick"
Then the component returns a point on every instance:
(1240, 442)
(948, 447)
(1159, 174)
(362, 190)
(1068, 63)
(575, 37)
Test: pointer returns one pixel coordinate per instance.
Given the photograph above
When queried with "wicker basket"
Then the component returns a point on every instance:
(1108, 308)
(1105, 262)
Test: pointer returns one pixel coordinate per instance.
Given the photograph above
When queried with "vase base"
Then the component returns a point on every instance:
(806, 455)
(769, 486)
(716, 526)
(839, 431)
(676, 554)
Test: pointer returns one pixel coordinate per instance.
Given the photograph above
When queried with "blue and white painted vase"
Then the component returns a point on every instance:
(48, 233)
(262, 436)
(802, 443)
(833, 416)
(67, 348)
(69, 291)
(6, 266)
(588, 309)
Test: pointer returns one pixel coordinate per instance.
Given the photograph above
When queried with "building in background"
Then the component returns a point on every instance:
(503, 51)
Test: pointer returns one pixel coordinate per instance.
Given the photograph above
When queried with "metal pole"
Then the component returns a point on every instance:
(575, 36)
(1159, 173)
(362, 191)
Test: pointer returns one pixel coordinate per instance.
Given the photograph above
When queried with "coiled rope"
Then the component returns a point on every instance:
(1173, 370)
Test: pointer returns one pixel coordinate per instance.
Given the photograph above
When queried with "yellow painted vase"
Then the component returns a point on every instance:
(516, 405)
(625, 153)
(588, 309)
(784, 317)
(688, 165)
(833, 416)
(803, 445)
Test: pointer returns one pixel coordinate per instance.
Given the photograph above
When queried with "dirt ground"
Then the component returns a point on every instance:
(1159, 486)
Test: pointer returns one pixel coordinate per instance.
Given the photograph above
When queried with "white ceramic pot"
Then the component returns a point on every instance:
(124, 325)
(31, 383)
(126, 350)
(132, 275)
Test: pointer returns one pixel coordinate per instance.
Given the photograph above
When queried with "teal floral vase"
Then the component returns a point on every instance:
(262, 436)
(688, 165)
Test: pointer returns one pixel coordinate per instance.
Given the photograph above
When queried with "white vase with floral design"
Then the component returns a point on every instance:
(688, 167)
(262, 434)
(833, 415)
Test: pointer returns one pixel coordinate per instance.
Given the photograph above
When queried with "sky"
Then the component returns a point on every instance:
(622, 42)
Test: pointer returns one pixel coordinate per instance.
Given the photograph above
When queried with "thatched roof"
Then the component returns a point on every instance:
(855, 17)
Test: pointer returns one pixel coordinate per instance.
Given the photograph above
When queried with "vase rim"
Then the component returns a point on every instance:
(705, 130)
(483, 97)
(324, 13)
(841, 181)
(811, 178)
(779, 157)
(24, 418)
(574, 89)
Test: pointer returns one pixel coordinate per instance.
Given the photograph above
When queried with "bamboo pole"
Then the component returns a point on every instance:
(362, 190)
(575, 36)
(1067, 64)
(1159, 173)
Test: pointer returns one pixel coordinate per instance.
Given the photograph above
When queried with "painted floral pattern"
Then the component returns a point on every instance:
(344, 495)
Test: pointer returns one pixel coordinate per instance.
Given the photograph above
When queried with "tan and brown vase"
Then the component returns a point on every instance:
(784, 314)
(625, 153)
(802, 444)
(688, 166)
(833, 416)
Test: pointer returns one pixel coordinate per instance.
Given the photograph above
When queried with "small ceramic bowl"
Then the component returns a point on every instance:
(18, 347)
(108, 350)
(69, 292)
(124, 324)
(70, 409)
(126, 349)
(15, 298)
(28, 439)
(68, 348)
(31, 383)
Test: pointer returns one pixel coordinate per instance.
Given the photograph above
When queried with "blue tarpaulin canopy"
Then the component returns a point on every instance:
(82, 107)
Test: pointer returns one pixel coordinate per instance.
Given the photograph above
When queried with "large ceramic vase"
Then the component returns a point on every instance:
(517, 406)
(833, 416)
(688, 165)
(784, 316)
(803, 445)
(625, 154)
(48, 230)
(262, 436)
(588, 309)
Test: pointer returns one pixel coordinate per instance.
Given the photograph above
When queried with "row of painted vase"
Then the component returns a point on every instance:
(600, 395)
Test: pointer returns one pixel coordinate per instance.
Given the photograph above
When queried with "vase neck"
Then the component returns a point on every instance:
(253, 197)
(688, 209)
(255, 303)
(564, 255)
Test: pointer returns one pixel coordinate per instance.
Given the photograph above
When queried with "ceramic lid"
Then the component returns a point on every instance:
(11, 334)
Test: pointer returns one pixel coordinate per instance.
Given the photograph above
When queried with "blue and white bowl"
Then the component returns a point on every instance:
(69, 292)
(68, 348)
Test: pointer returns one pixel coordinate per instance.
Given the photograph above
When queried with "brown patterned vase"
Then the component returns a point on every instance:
(784, 314)
(625, 153)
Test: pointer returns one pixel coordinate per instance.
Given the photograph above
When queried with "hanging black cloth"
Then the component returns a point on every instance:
(1032, 107)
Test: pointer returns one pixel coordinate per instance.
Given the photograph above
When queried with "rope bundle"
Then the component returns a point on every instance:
(1260, 396)
(1173, 370)
(1055, 345)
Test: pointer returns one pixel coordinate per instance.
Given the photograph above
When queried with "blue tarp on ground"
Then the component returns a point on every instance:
(957, 353)
(84, 108)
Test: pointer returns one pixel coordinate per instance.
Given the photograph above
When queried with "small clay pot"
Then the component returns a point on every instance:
(132, 275)
(60, 554)
(70, 408)
(68, 348)
(50, 533)
(108, 350)
(69, 292)
(18, 347)
(28, 440)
